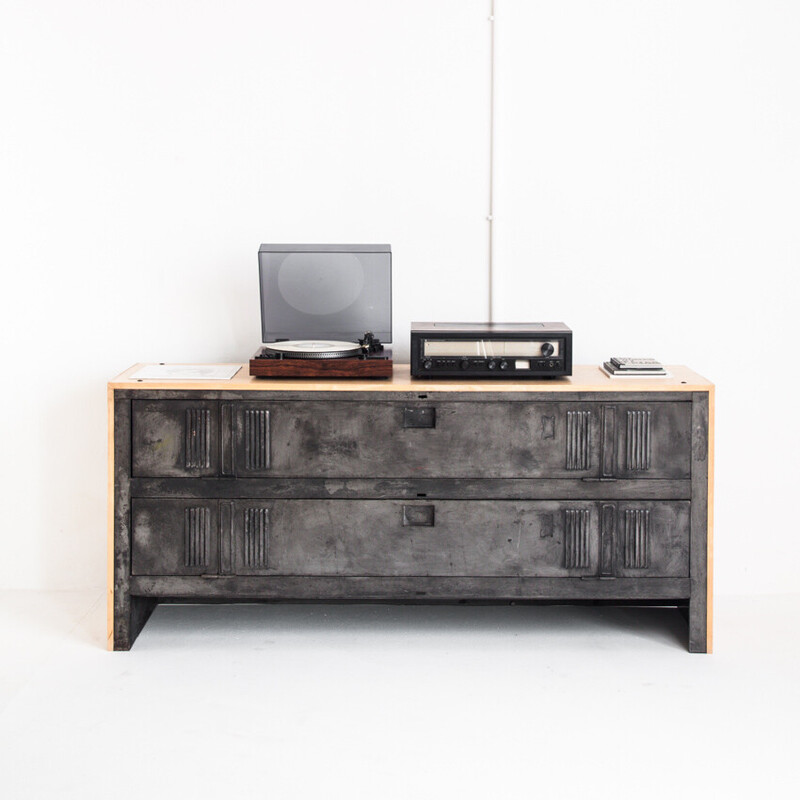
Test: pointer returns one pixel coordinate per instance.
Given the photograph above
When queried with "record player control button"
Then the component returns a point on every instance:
(547, 349)
(464, 363)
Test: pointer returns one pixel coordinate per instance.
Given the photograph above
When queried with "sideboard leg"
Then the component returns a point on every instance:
(130, 615)
(698, 626)
(700, 536)
(141, 609)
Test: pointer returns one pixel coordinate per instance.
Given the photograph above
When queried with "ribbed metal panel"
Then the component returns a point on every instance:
(198, 438)
(196, 533)
(638, 444)
(637, 530)
(576, 538)
(256, 533)
(256, 439)
(578, 439)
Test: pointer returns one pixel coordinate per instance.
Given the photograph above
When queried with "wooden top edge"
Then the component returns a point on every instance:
(584, 378)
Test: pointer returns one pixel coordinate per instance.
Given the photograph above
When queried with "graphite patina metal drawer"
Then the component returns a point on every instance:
(553, 538)
(348, 439)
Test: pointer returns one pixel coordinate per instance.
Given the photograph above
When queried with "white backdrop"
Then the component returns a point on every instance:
(646, 193)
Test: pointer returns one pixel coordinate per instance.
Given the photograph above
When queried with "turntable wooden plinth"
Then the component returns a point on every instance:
(378, 365)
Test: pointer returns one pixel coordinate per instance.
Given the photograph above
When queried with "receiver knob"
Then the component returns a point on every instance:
(427, 364)
(547, 349)
(464, 363)
(504, 365)
(492, 364)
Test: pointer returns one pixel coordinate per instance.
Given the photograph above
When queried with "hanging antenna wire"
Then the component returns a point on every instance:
(490, 215)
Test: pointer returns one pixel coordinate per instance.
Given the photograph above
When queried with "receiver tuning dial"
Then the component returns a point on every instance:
(547, 349)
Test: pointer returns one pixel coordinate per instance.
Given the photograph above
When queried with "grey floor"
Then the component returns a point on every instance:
(308, 701)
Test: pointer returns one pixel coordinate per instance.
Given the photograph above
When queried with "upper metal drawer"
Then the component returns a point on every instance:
(423, 439)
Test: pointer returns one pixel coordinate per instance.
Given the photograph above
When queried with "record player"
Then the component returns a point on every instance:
(326, 311)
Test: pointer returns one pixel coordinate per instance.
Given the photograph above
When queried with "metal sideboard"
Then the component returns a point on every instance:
(580, 489)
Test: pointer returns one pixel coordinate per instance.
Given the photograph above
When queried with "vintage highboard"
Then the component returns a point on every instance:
(580, 489)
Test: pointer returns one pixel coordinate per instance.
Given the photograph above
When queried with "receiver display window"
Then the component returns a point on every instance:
(485, 348)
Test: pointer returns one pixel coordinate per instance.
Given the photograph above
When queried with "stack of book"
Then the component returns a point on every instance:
(634, 368)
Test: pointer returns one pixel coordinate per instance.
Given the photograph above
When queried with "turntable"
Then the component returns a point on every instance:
(324, 311)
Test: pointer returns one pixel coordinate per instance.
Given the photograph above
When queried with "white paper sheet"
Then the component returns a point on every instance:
(185, 372)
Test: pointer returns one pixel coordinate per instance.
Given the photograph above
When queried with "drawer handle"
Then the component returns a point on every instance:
(419, 417)
(599, 480)
(418, 516)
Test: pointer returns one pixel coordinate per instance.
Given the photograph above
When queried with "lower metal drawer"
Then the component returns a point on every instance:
(542, 538)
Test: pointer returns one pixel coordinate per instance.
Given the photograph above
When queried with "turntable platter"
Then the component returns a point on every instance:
(314, 348)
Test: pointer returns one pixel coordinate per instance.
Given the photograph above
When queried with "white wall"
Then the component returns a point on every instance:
(646, 194)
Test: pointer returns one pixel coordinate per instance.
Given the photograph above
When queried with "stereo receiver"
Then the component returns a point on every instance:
(490, 349)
